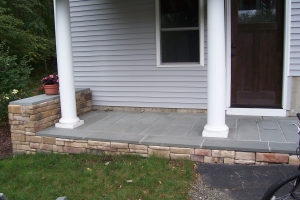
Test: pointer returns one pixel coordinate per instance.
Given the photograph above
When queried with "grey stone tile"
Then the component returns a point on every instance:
(149, 119)
(268, 125)
(248, 117)
(178, 130)
(86, 115)
(236, 145)
(247, 130)
(117, 127)
(166, 120)
(289, 148)
(99, 126)
(201, 122)
(64, 133)
(196, 130)
(231, 117)
(156, 113)
(115, 117)
(231, 123)
(186, 121)
(289, 130)
(232, 133)
(281, 118)
(92, 120)
(157, 129)
(272, 135)
(201, 115)
(172, 141)
(176, 114)
(137, 128)
(115, 137)
(117, 112)
(130, 119)
(34, 100)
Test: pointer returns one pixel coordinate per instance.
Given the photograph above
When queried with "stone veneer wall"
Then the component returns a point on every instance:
(28, 116)
(144, 109)
(33, 144)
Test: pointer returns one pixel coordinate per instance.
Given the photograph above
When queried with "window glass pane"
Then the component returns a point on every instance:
(180, 46)
(179, 13)
(253, 11)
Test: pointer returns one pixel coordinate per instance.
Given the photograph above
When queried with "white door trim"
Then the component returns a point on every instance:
(286, 92)
(285, 81)
(256, 112)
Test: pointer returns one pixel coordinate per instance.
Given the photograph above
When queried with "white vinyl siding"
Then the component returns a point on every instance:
(114, 54)
(295, 39)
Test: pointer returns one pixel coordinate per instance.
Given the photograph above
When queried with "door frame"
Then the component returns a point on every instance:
(286, 85)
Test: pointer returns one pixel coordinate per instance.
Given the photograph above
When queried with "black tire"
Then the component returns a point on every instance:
(282, 189)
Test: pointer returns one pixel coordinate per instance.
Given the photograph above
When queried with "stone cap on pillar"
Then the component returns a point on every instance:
(41, 98)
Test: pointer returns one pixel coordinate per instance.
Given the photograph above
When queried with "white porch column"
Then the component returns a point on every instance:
(216, 126)
(69, 117)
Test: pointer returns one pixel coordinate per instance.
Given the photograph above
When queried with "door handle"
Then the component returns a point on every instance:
(233, 45)
(233, 53)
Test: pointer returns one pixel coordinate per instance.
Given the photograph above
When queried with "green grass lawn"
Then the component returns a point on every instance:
(85, 176)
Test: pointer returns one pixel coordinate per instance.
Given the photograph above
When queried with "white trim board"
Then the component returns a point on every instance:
(256, 112)
(228, 51)
(286, 81)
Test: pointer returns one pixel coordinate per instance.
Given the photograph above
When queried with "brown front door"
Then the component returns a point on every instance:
(256, 53)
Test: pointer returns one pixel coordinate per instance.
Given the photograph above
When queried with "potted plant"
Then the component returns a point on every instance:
(50, 84)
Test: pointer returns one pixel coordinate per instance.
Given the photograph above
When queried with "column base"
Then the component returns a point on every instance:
(69, 126)
(215, 131)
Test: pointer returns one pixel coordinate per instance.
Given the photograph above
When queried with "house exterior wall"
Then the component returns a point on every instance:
(295, 39)
(294, 68)
(295, 97)
(114, 55)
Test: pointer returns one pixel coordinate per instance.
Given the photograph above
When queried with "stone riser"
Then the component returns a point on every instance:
(33, 144)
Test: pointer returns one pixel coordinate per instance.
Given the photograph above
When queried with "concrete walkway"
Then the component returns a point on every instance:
(255, 134)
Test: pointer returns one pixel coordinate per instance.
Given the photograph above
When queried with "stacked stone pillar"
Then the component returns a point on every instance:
(25, 120)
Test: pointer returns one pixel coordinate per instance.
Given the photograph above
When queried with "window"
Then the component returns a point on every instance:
(179, 33)
(260, 11)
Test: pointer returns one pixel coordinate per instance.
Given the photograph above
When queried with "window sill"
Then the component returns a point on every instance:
(180, 65)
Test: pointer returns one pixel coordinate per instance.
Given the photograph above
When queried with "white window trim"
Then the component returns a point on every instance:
(201, 39)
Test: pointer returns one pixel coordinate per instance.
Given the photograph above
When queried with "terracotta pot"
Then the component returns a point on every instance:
(51, 89)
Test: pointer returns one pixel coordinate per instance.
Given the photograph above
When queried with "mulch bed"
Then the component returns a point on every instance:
(5, 142)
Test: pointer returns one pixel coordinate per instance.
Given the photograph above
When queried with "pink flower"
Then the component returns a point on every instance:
(57, 80)
(51, 76)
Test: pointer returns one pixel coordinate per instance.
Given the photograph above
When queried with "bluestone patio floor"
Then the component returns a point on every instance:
(246, 133)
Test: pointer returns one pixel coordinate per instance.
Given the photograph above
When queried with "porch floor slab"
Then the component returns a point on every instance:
(252, 134)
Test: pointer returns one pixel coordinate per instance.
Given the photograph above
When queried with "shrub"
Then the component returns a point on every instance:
(15, 73)
(5, 98)
(14, 77)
